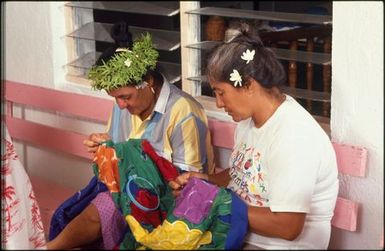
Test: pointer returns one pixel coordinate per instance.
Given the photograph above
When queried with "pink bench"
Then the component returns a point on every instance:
(351, 159)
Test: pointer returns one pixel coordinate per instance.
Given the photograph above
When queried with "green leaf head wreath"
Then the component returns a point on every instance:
(126, 67)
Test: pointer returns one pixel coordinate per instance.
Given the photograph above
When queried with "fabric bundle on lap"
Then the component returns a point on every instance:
(204, 216)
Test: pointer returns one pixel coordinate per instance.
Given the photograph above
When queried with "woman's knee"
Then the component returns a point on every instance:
(91, 215)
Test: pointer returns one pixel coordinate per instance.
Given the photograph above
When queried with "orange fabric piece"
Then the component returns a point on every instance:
(105, 158)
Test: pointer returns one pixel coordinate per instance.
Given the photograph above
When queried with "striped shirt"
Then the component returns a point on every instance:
(177, 129)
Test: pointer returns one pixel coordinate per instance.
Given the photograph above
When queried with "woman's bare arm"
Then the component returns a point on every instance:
(285, 225)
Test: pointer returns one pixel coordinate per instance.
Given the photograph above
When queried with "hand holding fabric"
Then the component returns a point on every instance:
(94, 140)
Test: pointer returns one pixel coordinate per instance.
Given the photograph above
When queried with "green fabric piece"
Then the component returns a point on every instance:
(133, 161)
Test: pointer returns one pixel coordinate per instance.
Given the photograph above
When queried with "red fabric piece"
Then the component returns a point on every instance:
(156, 217)
(167, 169)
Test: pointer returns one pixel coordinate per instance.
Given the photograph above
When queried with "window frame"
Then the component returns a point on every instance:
(76, 18)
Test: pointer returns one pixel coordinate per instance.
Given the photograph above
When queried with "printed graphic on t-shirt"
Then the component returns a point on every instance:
(248, 175)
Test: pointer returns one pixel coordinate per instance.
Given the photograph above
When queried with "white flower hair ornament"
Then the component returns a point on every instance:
(236, 77)
(128, 61)
(248, 55)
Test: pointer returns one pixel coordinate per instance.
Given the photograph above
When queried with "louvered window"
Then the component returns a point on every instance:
(92, 22)
(298, 32)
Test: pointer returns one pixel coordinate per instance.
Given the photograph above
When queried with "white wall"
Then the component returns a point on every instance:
(35, 54)
(28, 43)
(357, 115)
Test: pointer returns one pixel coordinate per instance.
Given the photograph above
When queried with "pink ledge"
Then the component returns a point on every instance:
(345, 214)
(351, 160)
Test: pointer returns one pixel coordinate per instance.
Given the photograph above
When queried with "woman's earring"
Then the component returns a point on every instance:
(152, 90)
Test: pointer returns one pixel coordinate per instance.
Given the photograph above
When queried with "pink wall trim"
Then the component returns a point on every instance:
(53, 100)
(48, 137)
(351, 159)
(345, 214)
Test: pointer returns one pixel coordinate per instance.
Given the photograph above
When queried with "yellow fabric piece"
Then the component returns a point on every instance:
(168, 236)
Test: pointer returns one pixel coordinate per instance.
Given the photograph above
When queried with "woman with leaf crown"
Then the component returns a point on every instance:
(148, 107)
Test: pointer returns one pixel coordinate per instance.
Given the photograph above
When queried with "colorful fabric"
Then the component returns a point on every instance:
(179, 232)
(21, 227)
(195, 201)
(200, 219)
(221, 225)
(177, 129)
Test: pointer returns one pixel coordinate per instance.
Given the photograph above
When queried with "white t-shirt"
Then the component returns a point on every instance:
(289, 165)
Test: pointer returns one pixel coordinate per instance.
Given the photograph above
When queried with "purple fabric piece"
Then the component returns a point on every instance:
(195, 201)
(112, 221)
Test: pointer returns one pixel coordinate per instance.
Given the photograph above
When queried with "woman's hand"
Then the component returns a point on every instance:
(94, 140)
(182, 180)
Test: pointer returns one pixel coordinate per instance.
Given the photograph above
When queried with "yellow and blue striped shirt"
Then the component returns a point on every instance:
(177, 129)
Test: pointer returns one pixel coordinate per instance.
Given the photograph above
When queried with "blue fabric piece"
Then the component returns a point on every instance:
(70, 208)
(225, 218)
(239, 223)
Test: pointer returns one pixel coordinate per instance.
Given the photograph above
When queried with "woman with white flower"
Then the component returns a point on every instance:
(283, 164)
(147, 107)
